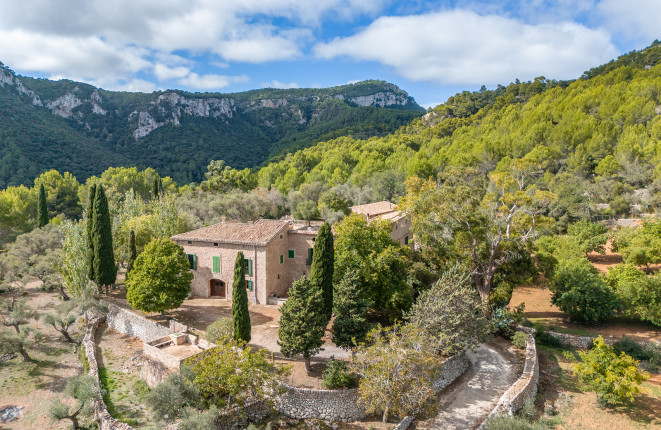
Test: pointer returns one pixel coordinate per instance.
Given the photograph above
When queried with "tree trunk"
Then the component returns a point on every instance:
(66, 336)
(74, 420)
(16, 327)
(25, 356)
(107, 288)
(385, 415)
(308, 368)
(63, 294)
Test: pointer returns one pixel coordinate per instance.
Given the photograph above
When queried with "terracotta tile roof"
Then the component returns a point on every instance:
(374, 209)
(259, 232)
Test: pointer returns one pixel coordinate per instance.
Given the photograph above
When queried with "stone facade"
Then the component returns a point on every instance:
(153, 372)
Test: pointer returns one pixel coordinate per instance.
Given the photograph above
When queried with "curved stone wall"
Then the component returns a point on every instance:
(525, 387)
(343, 405)
(105, 421)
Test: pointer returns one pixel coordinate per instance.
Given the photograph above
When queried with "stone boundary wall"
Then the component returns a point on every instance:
(404, 424)
(525, 387)
(105, 421)
(134, 325)
(343, 405)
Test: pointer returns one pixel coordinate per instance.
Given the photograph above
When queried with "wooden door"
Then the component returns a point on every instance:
(216, 288)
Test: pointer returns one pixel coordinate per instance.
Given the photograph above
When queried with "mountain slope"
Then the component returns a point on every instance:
(76, 127)
(567, 127)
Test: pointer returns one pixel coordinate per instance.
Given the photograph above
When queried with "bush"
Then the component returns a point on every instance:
(544, 338)
(337, 376)
(520, 340)
(505, 320)
(615, 378)
(582, 294)
(649, 353)
(220, 330)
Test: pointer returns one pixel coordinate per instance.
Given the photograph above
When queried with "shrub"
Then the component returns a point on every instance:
(505, 320)
(169, 399)
(544, 338)
(220, 330)
(649, 353)
(520, 339)
(582, 294)
(337, 376)
(615, 378)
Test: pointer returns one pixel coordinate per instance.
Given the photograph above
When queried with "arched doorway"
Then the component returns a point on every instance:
(216, 288)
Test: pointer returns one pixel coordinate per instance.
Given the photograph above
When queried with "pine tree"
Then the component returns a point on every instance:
(132, 252)
(155, 188)
(350, 325)
(42, 208)
(240, 313)
(302, 321)
(90, 229)
(105, 271)
(323, 262)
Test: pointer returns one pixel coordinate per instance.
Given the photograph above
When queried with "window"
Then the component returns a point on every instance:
(280, 236)
(291, 253)
(282, 258)
(215, 244)
(192, 261)
(248, 266)
(278, 276)
(249, 285)
(406, 240)
(216, 264)
(309, 259)
(190, 242)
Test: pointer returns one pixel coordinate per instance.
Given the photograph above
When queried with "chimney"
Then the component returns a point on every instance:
(223, 219)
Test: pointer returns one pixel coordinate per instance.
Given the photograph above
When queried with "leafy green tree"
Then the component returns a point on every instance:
(133, 253)
(42, 208)
(160, 279)
(323, 264)
(608, 166)
(61, 193)
(641, 246)
(222, 178)
(591, 237)
(350, 326)
(169, 399)
(240, 312)
(337, 376)
(639, 295)
(65, 316)
(220, 330)
(82, 388)
(306, 210)
(16, 313)
(302, 321)
(615, 379)
(89, 227)
(450, 313)
(582, 294)
(74, 259)
(20, 342)
(229, 374)
(397, 367)
(366, 249)
(105, 270)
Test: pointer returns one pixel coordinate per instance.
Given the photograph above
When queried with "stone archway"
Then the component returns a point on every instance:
(217, 288)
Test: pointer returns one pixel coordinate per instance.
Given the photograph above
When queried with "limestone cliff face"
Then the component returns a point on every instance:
(8, 78)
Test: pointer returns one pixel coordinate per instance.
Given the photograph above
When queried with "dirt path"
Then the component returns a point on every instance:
(465, 404)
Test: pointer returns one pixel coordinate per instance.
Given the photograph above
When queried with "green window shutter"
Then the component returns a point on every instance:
(216, 264)
(291, 253)
(249, 285)
(250, 268)
(282, 258)
(193, 261)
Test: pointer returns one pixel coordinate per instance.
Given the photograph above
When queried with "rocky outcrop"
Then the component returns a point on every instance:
(8, 78)
(382, 99)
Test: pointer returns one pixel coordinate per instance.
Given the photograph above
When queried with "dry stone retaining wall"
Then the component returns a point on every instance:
(343, 405)
(106, 422)
(134, 325)
(525, 387)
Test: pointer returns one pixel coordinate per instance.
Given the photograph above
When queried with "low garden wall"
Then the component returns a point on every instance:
(105, 421)
(343, 405)
(134, 325)
(525, 388)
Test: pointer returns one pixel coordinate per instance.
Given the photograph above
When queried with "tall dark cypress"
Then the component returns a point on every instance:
(105, 271)
(155, 190)
(42, 208)
(240, 313)
(90, 230)
(323, 263)
(132, 253)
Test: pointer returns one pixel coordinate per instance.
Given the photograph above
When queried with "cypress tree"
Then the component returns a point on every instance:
(132, 252)
(155, 188)
(105, 271)
(42, 208)
(90, 230)
(323, 263)
(240, 314)
(302, 321)
(350, 325)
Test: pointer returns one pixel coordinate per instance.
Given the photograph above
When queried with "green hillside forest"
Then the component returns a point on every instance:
(78, 128)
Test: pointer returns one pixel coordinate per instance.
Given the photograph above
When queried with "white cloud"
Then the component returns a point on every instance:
(163, 72)
(281, 85)
(134, 85)
(462, 47)
(210, 81)
(635, 19)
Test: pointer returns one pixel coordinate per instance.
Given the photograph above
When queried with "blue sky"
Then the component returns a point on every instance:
(431, 49)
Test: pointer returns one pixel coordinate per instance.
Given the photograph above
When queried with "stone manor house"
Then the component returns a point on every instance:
(277, 252)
